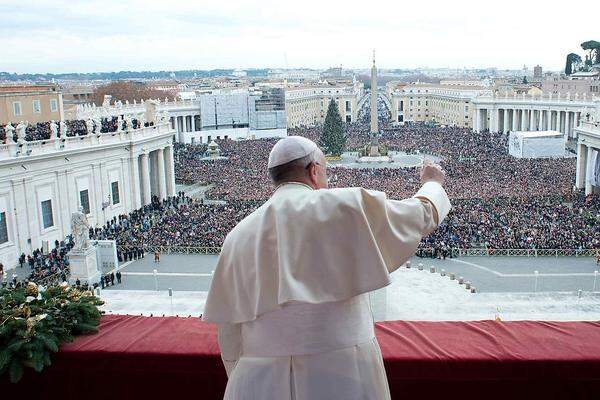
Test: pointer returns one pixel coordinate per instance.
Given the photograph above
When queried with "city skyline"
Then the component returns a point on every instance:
(99, 36)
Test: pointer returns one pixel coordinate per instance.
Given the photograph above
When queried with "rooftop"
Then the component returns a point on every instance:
(17, 89)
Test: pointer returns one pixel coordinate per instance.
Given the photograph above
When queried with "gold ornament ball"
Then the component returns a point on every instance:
(32, 289)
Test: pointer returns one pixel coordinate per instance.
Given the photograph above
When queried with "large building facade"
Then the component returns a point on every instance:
(43, 182)
(578, 83)
(448, 104)
(307, 105)
(485, 109)
(31, 103)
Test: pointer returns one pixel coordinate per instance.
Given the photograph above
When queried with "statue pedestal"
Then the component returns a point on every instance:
(84, 266)
(374, 151)
(377, 159)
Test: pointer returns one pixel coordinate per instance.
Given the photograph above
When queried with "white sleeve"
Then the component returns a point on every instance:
(230, 343)
(435, 193)
(397, 226)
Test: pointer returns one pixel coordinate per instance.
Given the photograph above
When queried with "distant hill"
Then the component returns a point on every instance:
(183, 74)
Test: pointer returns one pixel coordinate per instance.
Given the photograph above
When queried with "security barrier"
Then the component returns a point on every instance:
(456, 252)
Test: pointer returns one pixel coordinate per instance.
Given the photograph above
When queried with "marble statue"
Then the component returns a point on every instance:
(63, 129)
(80, 229)
(119, 123)
(21, 128)
(129, 122)
(97, 125)
(53, 129)
(89, 126)
(10, 131)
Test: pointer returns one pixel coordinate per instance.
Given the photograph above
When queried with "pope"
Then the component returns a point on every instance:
(290, 291)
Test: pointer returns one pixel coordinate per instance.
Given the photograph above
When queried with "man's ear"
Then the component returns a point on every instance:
(312, 172)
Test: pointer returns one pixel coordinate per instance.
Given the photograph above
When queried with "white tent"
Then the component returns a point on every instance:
(542, 144)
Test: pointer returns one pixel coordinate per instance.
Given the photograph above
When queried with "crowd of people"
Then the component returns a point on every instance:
(44, 267)
(177, 221)
(499, 201)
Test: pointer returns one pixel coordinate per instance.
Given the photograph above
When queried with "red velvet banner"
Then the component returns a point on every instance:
(135, 357)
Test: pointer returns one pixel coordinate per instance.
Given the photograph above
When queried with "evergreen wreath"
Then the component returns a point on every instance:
(34, 322)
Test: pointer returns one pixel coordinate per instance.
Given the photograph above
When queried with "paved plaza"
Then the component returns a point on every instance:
(193, 272)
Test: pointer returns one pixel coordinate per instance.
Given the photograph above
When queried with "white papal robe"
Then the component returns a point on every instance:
(290, 290)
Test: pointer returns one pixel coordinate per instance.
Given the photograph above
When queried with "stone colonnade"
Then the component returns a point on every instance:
(186, 123)
(153, 174)
(584, 165)
(506, 119)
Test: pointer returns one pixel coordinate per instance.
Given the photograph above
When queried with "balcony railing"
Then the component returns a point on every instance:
(24, 149)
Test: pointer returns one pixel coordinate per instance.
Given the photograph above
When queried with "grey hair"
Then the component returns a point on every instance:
(293, 169)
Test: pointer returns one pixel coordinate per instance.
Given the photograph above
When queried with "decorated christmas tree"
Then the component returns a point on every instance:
(333, 138)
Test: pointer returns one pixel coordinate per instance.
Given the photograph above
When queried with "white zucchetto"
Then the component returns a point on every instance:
(289, 149)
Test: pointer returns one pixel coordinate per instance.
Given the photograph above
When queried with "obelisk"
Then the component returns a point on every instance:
(374, 150)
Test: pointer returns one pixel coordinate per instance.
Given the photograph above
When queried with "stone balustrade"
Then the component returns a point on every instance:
(40, 147)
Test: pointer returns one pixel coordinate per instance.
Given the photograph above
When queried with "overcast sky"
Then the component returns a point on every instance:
(113, 35)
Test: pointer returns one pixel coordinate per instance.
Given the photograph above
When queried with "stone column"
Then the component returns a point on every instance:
(505, 128)
(588, 167)
(169, 161)
(567, 124)
(515, 119)
(482, 119)
(23, 220)
(497, 120)
(581, 165)
(493, 120)
(561, 122)
(193, 123)
(547, 120)
(136, 190)
(523, 119)
(476, 126)
(531, 120)
(160, 170)
(147, 197)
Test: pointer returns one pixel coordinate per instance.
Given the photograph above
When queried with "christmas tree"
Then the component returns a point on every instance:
(333, 138)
